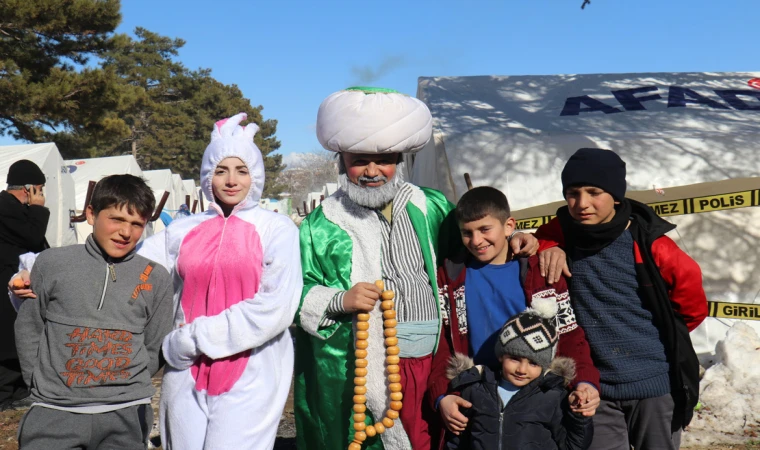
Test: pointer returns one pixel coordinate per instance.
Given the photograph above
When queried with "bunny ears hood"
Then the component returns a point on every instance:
(230, 140)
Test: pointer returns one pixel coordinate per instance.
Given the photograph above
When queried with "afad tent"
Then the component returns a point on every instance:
(93, 169)
(672, 129)
(59, 188)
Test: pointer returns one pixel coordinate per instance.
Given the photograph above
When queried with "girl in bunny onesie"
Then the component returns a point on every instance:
(237, 280)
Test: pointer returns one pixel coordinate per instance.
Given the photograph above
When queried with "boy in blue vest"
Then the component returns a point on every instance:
(637, 296)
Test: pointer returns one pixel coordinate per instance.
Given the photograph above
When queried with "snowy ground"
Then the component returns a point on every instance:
(730, 392)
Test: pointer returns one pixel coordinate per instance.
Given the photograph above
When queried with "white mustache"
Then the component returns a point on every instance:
(376, 179)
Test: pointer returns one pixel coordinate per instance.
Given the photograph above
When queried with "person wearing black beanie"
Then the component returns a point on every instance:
(637, 296)
(24, 172)
(23, 223)
(595, 167)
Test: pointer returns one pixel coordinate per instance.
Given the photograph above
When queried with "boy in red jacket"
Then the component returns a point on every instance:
(637, 297)
(496, 287)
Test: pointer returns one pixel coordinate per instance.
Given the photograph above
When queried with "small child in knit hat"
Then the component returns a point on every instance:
(527, 404)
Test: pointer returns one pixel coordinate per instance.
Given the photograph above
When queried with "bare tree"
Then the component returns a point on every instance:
(309, 173)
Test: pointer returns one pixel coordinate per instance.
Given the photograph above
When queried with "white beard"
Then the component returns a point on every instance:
(372, 197)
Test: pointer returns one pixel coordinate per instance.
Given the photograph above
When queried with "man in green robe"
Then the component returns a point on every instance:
(375, 227)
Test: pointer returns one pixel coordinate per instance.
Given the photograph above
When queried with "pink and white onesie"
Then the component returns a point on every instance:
(237, 283)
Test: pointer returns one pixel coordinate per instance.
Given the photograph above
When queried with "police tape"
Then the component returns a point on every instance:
(693, 205)
(743, 311)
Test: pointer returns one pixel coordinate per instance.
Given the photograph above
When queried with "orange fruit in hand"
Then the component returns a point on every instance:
(18, 283)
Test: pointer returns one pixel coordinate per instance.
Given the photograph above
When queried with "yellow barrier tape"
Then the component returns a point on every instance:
(723, 310)
(694, 205)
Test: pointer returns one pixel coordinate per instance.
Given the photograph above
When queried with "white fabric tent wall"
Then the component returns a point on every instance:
(179, 193)
(315, 197)
(94, 169)
(192, 191)
(59, 188)
(329, 189)
(160, 181)
(509, 132)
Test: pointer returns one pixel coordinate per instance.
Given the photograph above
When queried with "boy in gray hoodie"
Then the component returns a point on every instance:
(89, 343)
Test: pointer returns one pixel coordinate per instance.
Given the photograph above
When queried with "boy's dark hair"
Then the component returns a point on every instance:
(121, 190)
(482, 201)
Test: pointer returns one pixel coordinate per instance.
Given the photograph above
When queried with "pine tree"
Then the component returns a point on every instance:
(169, 111)
(44, 84)
(141, 100)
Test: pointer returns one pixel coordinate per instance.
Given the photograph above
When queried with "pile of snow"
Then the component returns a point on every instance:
(729, 392)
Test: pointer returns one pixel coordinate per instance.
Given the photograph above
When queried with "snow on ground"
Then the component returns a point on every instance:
(729, 392)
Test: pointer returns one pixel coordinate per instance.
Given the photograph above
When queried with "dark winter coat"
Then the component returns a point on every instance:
(22, 230)
(538, 417)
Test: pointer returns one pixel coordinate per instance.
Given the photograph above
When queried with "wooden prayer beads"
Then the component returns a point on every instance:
(362, 430)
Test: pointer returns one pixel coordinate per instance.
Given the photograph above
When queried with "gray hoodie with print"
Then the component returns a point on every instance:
(93, 335)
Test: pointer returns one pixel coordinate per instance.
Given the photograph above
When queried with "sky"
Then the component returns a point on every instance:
(289, 55)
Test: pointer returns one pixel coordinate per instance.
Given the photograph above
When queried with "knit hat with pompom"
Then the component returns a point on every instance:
(532, 333)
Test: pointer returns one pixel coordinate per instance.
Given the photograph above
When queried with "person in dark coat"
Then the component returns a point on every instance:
(526, 406)
(23, 222)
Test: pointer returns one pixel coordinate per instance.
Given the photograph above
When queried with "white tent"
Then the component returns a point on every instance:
(59, 188)
(160, 181)
(314, 199)
(329, 189)
(192, 191)
(179, 192)
(94, 169)
(672, 129)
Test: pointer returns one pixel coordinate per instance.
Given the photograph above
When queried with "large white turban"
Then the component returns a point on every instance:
(372, 120)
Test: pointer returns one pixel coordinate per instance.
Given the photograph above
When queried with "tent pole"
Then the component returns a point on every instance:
(160, 207)
(468, 181)
(82, 217)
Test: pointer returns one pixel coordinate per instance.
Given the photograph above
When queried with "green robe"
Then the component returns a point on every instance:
(340, 246)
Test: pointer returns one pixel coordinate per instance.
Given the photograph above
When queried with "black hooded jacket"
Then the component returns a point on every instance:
(22, 230)
(646, 227)
(538, 417)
